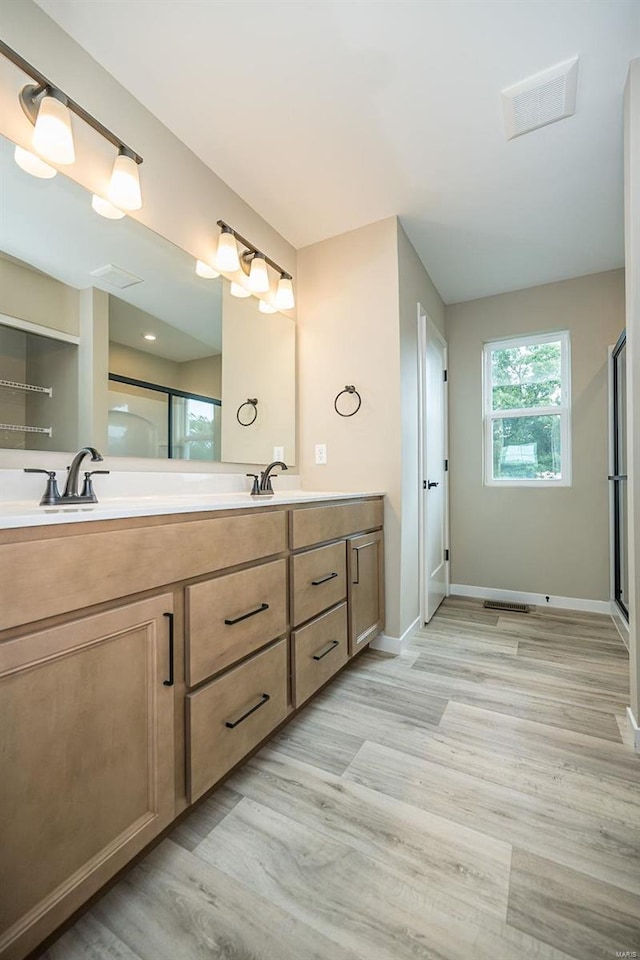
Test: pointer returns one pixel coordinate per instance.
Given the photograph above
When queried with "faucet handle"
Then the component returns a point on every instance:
(255, 489)
(87, 486)
(51, 494)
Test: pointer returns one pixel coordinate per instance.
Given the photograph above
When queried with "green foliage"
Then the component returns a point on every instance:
(201, 426)
(526, 376)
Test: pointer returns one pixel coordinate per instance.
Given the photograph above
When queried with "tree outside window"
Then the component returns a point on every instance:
(527, 410)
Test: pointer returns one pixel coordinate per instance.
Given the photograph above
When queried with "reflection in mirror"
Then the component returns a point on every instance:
(108, 337)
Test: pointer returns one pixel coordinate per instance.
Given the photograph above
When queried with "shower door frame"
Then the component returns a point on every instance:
(615, 477)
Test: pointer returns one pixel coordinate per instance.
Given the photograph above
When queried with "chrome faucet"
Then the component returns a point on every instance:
(264, 488)
(53, 497)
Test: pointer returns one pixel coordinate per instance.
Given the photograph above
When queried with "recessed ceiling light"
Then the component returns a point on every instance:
(150, 336)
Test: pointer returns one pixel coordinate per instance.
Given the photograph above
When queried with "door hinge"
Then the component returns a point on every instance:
(446, 466)
(446, 375)
(446, 554)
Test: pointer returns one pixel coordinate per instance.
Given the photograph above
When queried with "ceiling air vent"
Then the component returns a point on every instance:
(116, 276)
(542, 99)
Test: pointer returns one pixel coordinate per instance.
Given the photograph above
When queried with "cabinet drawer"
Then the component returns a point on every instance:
(319, 650)
(318, 581)
(230, 617)
(319, 524)
(232, 714)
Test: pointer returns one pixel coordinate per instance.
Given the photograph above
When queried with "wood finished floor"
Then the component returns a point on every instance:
(472, 798)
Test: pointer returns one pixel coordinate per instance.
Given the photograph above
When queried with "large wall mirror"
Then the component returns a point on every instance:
(109, 337)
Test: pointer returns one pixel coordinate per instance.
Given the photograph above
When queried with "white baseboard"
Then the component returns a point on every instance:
(635, 728)
(539, 599)
(388, 644)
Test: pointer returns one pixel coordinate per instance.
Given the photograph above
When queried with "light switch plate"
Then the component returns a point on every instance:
(278, 453)
(321, 453)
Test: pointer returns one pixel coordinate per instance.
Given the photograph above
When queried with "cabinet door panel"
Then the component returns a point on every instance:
(86, 776)
(366, 589)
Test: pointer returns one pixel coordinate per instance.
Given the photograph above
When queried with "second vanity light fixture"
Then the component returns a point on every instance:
(49, 109)
(254, 264)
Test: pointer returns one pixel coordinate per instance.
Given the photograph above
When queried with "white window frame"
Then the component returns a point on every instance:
(563, 409)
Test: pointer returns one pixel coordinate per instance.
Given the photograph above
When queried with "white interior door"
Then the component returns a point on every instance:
(434, 513)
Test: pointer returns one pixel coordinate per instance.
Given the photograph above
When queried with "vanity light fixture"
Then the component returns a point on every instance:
(205, 271)
(254, 264)
(284, 294)
(49, 109)
(105, 208)
(265, 307)
(227, 258)
(237, 290)
(124, 187)
(28, 162)
(258, 276)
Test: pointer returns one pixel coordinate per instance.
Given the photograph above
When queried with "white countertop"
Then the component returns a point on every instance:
(18, 513)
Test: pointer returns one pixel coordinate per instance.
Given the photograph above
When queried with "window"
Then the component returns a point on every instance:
(527, 399)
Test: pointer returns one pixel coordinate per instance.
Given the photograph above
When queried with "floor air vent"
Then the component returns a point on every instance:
(511, 607)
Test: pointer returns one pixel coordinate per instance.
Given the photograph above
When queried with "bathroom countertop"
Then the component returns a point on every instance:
(27, 514)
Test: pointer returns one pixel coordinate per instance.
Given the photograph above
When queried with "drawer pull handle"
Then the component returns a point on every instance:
(169, 682)
(261, 702)
(252, 613)
(329, 576)
(330, 646)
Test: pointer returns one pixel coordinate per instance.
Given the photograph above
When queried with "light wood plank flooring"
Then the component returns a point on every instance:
(469, 799)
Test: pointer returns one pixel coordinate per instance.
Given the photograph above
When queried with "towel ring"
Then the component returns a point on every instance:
(348, 389)
(251, 403)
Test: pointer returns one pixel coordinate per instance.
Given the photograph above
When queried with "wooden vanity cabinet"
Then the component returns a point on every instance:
(87, 779)
(100, 722)
(366, 588)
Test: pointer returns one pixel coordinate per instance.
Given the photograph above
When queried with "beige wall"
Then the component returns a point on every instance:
(203, 375)
(356, 325)
(549, 541)
(32, 296)
(182, 197)
(632, 257)
(259, 362)
(415, 286)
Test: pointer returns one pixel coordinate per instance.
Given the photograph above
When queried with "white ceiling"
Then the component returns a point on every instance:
(325, 115)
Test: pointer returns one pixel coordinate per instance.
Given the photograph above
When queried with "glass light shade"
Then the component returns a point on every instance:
(106, 209)
(204, 270)
(237, 291)
(284, 295)
(227, 259)
(258, 276)
(34, 165)
(52, 136)
(265, 307)
(124, 188)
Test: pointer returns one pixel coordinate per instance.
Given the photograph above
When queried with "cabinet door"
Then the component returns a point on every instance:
(366, 589)
(86, 761)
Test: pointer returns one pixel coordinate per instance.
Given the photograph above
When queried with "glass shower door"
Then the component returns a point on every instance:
(618, 477)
